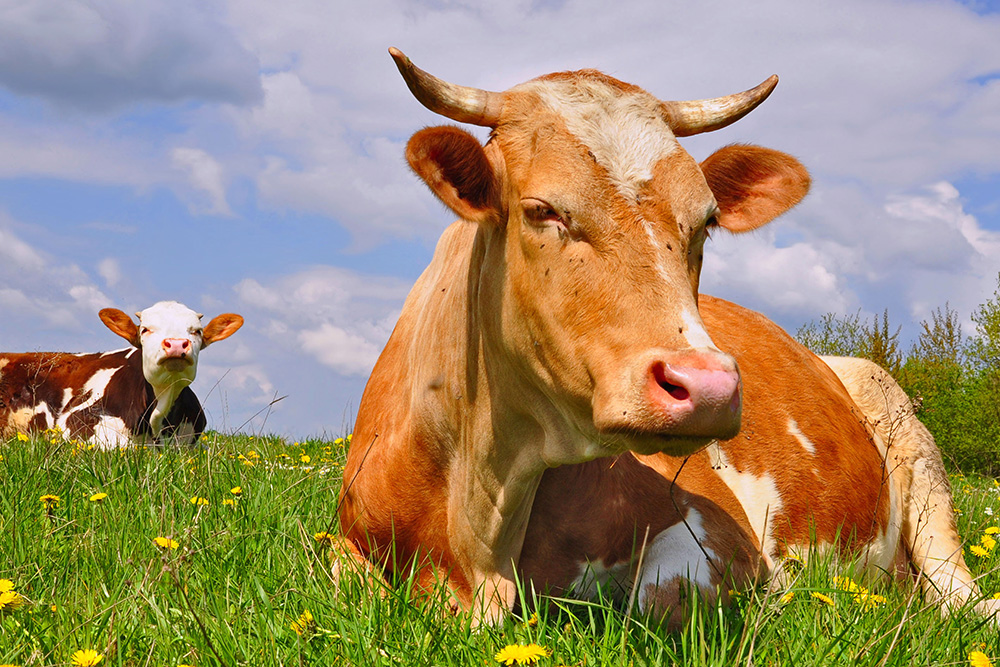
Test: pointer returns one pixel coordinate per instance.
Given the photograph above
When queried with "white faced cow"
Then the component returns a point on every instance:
(139, 393)
(554, 363)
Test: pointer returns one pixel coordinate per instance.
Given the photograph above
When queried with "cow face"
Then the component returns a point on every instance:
(170, 336)
(595, 220)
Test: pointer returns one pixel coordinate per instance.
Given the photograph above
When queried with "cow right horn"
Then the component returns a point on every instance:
(460, 103)
(697, 116)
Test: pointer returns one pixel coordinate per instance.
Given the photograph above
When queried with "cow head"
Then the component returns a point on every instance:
(594, 222)
(170, 336)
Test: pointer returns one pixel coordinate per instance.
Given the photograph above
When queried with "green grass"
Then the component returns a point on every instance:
(92, 577)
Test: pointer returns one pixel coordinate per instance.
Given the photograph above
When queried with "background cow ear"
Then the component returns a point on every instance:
(453, 163)
(221, 327)
(753, 185)
(121, 324)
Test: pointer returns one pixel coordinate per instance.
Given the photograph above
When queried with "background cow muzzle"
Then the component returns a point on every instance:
(675, 394)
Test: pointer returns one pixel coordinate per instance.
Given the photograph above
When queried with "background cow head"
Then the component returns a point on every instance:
(170, 336)
(593, 220)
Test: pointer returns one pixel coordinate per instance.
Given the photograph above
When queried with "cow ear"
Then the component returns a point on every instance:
(221, 327)
(453, 163)
(121, 324)
(753, 185)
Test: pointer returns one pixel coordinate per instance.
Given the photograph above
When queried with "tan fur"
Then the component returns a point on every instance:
(930, 534)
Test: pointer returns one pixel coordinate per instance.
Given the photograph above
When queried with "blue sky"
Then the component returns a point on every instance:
(246, 156)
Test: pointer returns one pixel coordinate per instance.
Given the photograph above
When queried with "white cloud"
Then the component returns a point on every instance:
(109, 269)
(342, 351)
(206, 175)
(104, 54)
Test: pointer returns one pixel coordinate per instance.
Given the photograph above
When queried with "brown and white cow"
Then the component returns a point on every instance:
(557, 403)
(109, 398)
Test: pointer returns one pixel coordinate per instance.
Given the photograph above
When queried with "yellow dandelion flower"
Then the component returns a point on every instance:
(324, 537)
(165, 543)
(846, 584)
(86, 658)
(522, 654)
(9, 601)
(184, 664)
(825, 599)
(532, 620)
(6, 585)
(305, 458)
(349, 436)
(53, 609)
(979, 659)
(868, 600)
(98, 497)
(22, 437)
(979, 551)
(787, 597)
(49, 500)
(229, 501)
(996, 596)
(338, 441)
(198, 500)
(992, 530)
(988, 542)
(236, 490)
(305, 623)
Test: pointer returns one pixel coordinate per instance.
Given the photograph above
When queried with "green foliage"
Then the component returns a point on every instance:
(235, 590)
(954, 381)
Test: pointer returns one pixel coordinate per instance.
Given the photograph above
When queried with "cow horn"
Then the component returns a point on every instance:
(460, 103)
(697, 116)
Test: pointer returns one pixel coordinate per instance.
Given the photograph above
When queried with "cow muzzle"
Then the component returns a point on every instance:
(685, 395)
(176, 351)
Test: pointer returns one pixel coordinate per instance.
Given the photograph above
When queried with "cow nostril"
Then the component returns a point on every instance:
(676, 391)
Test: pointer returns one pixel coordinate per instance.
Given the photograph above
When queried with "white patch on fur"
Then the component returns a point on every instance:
(110, 433)
(96, 384)
(694, 332)
(676, 552)
(759, 497)
(626, 133)
(614, 582)
(796, 432)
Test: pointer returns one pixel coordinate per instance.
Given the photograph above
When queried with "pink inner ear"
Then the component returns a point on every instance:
(754, 185)
(453, 164)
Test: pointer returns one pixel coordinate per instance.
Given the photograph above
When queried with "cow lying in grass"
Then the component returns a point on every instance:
(558, 405)
(140, 393)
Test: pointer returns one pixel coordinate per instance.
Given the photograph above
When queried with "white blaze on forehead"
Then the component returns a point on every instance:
(626, 132)
(175, 320)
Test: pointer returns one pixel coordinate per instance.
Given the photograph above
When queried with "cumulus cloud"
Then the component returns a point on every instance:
(109, 269)
(339, 317)
(104, 54)
(40, 290)
(206, 175)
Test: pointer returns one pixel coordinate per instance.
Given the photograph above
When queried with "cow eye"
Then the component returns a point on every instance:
(196, 332)
(540, 214)
(143, 331)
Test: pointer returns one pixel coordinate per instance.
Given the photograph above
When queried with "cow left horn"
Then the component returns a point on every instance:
(461, 103)
(697, 116)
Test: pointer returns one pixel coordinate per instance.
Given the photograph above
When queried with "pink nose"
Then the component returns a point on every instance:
(176, 347)
(697, 395)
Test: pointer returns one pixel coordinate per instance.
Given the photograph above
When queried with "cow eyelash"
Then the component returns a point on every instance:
(538, 213)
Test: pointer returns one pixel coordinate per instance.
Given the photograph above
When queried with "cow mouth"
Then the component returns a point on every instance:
(176, 362)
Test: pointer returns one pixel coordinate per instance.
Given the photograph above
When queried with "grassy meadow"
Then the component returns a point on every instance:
(239, 577)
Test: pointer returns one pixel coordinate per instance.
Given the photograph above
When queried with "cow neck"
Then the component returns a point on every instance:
(159, 400)
(495, 469)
